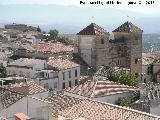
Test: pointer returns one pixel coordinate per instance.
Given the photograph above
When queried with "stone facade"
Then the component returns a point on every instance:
(125, 50)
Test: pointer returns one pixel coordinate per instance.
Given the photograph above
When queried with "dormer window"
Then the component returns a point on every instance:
(102, 41)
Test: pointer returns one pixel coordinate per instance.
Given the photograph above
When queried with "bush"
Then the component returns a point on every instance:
(126, 78)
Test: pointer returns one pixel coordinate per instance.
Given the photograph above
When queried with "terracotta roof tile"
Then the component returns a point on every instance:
(26, 62)
(94, 110)
(92, 29)
(62, 63)
(60, 102)
(48, 47)
(128, 27)
(9, 97)
(29, 88)
(99, 88)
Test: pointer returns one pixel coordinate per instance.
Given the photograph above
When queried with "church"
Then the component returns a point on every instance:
(123, 50)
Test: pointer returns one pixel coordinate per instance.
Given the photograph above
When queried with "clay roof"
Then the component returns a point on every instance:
(26, 62)
(59, 102)
(128, 27)
(147, 61)
(92, 29)
(62, 64)
(22, 116)
(9, 97)
(99, 88)
(94, 110)
(148, 58)
(27, 88)
(48, 47)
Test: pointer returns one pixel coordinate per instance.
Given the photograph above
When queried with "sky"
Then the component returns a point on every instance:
(72, 13)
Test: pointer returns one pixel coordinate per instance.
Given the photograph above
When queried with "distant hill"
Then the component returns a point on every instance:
(150, 42)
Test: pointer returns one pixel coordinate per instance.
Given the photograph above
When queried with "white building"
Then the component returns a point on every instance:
(61, 73)
(48, 79)
(26, 67)
(12, 102)
(104, 91)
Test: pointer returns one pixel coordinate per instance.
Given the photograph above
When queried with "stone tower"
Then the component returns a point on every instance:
(93, 44)
(131, 37)
(124, 50)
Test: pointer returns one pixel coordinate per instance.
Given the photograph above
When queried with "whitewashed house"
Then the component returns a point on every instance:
(68, 72)
(48, 79)
(26, 67)
(12, 102)
(101, 90)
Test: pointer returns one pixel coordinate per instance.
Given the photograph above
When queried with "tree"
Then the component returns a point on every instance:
(39, 29)
(3, 72)
(126, 78)
(53, 35)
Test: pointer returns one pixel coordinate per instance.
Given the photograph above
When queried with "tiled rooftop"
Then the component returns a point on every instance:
(8, 97)
(92, 29)
(48, 47)
(60, 102)
(26, 62)
(94, 110)
(27, 88)
(148, 58)
(62, 64)
(128, 27)
(99, 88)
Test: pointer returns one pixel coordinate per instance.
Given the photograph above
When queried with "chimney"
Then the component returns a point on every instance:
(21, 116)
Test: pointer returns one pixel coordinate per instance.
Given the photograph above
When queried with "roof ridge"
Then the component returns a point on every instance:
(92, 94)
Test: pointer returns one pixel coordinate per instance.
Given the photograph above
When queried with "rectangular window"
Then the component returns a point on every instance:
(76, 73)
(70, 85)
(63, 85)
(55, 85)
(76, 82)
(63, 75)
(70, 74)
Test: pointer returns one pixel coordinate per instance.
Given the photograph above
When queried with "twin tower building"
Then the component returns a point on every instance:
(124, 50)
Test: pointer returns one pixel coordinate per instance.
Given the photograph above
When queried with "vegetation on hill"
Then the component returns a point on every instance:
(55, 37)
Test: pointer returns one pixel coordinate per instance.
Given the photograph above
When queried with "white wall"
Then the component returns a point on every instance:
(108, 98)
(50, 82)
(85, 44)
(112, 98)
(32, 107)
(30, 73)
(67, 79)
(41, 95)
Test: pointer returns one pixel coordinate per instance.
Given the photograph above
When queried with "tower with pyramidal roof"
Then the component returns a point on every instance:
(124, 51)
